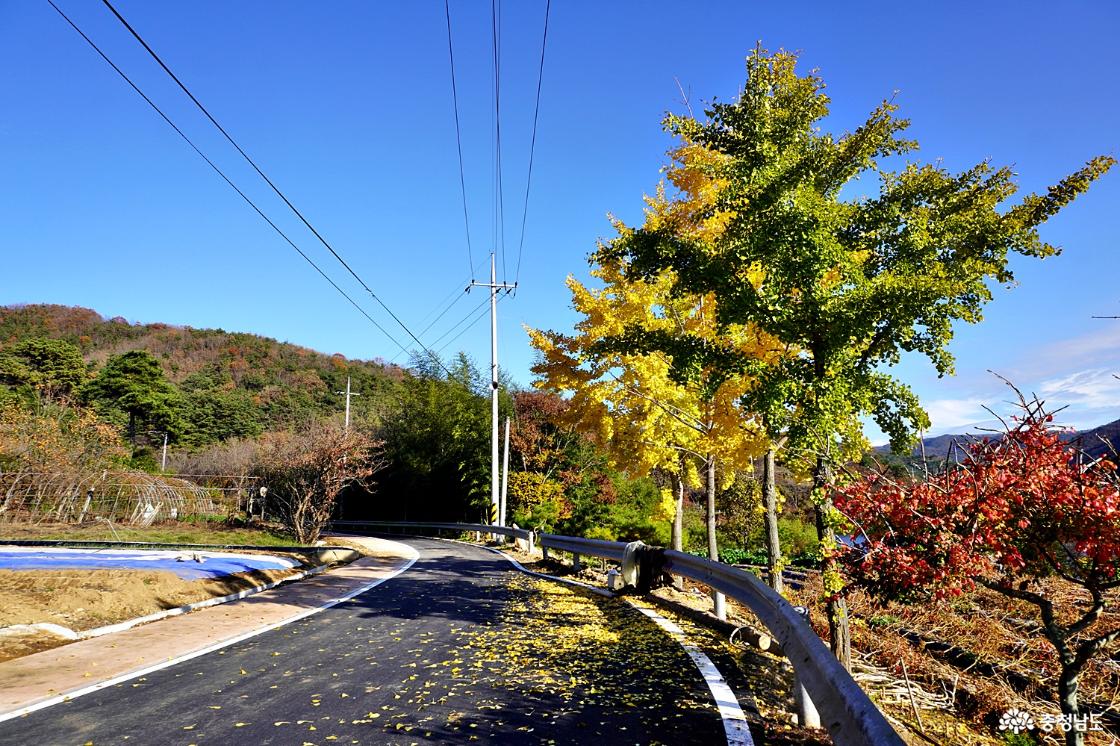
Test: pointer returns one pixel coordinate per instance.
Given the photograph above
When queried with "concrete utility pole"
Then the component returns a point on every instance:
(494, 286)
(347, 393)
(163, 459)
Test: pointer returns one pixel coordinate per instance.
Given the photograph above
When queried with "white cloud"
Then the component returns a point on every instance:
(1091, 397)
(1076, 375)
(1088, 398)
(1095, 388)
(1097, 349)
(951, 415)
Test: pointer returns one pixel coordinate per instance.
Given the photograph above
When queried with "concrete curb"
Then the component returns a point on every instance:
(187, 608)
(324, 555)
(333, 556)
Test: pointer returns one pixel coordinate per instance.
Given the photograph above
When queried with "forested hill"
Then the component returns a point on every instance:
(108, 392)
(233, 384)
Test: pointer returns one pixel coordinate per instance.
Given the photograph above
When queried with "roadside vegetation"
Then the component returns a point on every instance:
(217, 531)
(757, 312)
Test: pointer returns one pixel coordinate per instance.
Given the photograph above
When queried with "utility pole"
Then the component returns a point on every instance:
(494, 286)
(163, 459)
(505, 479)
(347, 393)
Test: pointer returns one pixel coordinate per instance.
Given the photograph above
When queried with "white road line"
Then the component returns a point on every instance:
(734, 721)
(74, 694)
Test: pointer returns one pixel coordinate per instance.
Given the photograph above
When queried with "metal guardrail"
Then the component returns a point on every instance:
(823, 686)
(845, 709)
(507, 531)
(612, 550)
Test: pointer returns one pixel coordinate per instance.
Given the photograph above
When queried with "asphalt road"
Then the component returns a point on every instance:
(423, 658)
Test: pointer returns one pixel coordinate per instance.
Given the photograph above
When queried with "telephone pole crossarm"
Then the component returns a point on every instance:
(347, 393)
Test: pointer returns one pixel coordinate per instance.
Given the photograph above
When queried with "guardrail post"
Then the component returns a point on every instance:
(544, 552)
(807, 715)
(575, 563)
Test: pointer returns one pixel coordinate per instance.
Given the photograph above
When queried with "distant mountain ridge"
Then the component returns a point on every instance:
(1098, 441)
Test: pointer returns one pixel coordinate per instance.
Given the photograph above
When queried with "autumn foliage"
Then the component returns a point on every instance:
(1018, 514)
(1024, 505)
(307, 471)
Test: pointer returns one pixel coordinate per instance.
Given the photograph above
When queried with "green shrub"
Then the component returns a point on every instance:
(630, 516)
(798, 540)
(202, 519)
(600, 532)
(740, 556)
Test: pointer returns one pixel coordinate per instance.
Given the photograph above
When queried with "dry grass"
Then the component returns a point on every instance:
(879, 671)
(216, 533)
(85, 599)
(981, 651)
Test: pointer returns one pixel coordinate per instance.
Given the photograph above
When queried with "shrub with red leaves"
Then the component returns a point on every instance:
(1016, 509)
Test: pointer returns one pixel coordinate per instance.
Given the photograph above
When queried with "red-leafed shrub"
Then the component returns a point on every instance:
(1017, 509)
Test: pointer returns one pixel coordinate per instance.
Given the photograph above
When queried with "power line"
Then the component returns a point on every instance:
(533, 142)
(459, 323)
(458, 296)
(451, 328)
(458, 135)
(261, 173)
(499, 197)
(220, 173)
(478, 317)
(453, 297)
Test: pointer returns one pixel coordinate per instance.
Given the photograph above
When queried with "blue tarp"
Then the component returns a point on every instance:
(182, 563)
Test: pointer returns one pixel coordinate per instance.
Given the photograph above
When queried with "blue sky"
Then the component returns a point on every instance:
(347, 106)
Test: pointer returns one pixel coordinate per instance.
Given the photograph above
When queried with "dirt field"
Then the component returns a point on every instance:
(84, 599)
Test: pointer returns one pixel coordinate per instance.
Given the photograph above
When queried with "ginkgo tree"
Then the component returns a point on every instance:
(694, 214)
(631, 403)
(849, 283)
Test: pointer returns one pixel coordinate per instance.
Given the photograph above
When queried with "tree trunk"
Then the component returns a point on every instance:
(713, 547)
(770, 502)
(677, 539)
(710, 469)
(1067, 699)
(839, 634)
